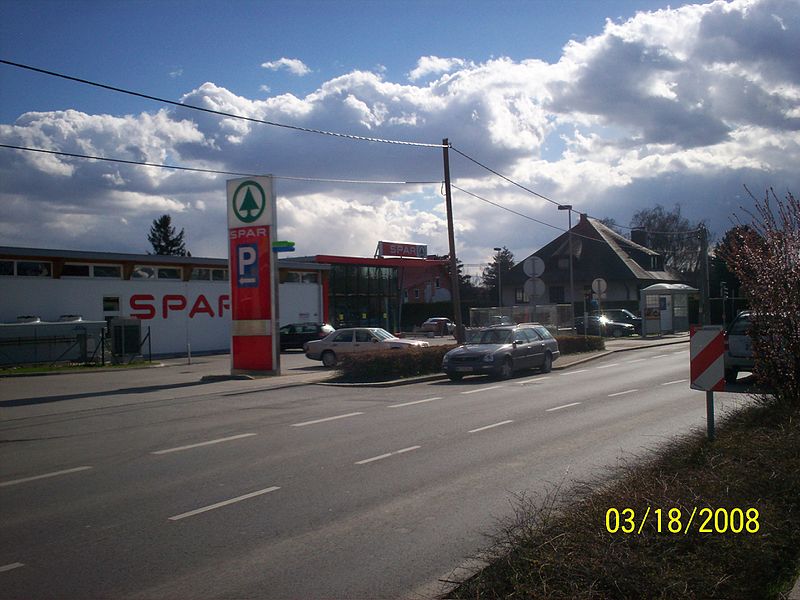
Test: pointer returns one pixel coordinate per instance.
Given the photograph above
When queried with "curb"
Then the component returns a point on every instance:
(80, 372)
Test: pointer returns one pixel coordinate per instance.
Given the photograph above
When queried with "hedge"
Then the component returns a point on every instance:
(396, 364)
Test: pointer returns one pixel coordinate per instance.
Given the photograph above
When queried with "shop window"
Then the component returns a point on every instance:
(73, 270)
(169, 273)
(109, 271)
(199, 274)
(219, 275)
(33, 269)
(310, 278)
(110, 303)
(292, 277)
(140, 272)
(7, 267)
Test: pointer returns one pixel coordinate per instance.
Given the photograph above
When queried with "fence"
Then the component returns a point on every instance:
(556, 317)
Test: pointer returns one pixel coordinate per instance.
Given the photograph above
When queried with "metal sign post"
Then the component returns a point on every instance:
(252, 268)
(707, 366)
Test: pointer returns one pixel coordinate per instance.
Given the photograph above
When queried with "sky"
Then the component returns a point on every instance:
(611, 106)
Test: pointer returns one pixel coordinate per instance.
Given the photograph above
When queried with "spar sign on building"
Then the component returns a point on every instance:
(251, 226)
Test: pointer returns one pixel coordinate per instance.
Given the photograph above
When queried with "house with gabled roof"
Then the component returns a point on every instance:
(598, 252)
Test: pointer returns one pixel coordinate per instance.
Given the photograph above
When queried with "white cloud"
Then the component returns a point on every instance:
(681, 105)
(434, 65)
(293, 65)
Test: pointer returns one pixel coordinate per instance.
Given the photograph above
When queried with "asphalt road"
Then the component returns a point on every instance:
(130, 489)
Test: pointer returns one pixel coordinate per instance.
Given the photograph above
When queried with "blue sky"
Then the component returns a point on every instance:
(665, 103)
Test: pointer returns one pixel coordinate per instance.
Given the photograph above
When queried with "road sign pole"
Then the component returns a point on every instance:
(710, 415)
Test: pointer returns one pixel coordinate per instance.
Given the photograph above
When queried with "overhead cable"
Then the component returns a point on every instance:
(213, 171)
(112, 88)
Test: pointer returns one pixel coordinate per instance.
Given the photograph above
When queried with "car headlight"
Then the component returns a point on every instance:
(488, 358)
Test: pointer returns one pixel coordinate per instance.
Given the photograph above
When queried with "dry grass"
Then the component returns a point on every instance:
(557, 546)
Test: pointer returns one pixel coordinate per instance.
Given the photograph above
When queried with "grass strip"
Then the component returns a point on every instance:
(559, 546)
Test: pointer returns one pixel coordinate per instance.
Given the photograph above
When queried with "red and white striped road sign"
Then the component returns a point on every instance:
(707, 356)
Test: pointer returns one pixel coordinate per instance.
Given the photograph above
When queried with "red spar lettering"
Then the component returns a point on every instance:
(172, 302)
(143, 302)
(201, 305)
(224, 304)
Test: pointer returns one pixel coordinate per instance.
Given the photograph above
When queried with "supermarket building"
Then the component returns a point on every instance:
(184, 302)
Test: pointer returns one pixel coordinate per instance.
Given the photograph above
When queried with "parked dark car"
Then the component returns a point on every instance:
(501, 350)
(603, 327)
(621, 315)
(297, 334)
(738, 347)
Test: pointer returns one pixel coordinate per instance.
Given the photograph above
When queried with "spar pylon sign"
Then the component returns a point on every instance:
(251, 223)
(707, 356)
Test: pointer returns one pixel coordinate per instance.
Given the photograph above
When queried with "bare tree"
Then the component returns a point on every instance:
(671, 235)
(766, 259)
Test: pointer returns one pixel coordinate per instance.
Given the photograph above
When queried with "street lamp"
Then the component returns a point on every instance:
(568, 208)
(499, 280)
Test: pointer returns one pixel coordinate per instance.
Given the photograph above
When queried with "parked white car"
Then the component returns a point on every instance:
(354, 340)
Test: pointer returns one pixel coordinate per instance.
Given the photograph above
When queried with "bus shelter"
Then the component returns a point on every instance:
(665, 308)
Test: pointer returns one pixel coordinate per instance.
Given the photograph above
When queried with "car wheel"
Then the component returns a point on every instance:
(328, 358)
(730, 375)
(548, 363)
(455, 376)
(506, 369)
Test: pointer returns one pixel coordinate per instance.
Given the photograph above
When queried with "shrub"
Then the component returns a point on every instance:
(572, 344)
(392, 364)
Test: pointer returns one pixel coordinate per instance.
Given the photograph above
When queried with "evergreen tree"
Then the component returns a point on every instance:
(164, 239)
(502, 264)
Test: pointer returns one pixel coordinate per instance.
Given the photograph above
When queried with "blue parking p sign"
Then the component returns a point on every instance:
(247, 265)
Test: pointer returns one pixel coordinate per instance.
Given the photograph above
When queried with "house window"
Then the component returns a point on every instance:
(557, 294)
(563, 264)
(520, 297)
(73, 270)
(437, 283)
(416, 293)
(33, 269)
(111, 271)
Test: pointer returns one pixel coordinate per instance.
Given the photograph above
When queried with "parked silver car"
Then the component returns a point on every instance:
(353, 340)
(501, 350)
(738, 347)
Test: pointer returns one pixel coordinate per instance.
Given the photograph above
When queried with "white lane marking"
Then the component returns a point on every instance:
(490, 426)
(10, 567)
(563, 406)
(303, 424)
(622, 393)
(608, 366)
(54, 474)
(414, 402)
(635, 361)
(192, 513)
(534, 380)
(387, 455)
(659, 356)
(674, 382)
(483, 389)
(210, 442)
(578, 371)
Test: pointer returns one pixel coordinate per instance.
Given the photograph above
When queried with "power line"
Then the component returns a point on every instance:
(217, 112)
(212, 171)
(508, 179)
(519, 214)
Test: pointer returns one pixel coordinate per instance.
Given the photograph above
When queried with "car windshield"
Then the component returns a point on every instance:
(492, 336)
(382, 334)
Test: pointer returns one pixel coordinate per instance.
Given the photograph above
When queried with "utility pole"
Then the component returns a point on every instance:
(705, 313)
(451, 236)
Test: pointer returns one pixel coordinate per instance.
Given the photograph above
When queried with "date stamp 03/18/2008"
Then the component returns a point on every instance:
(678, 521)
